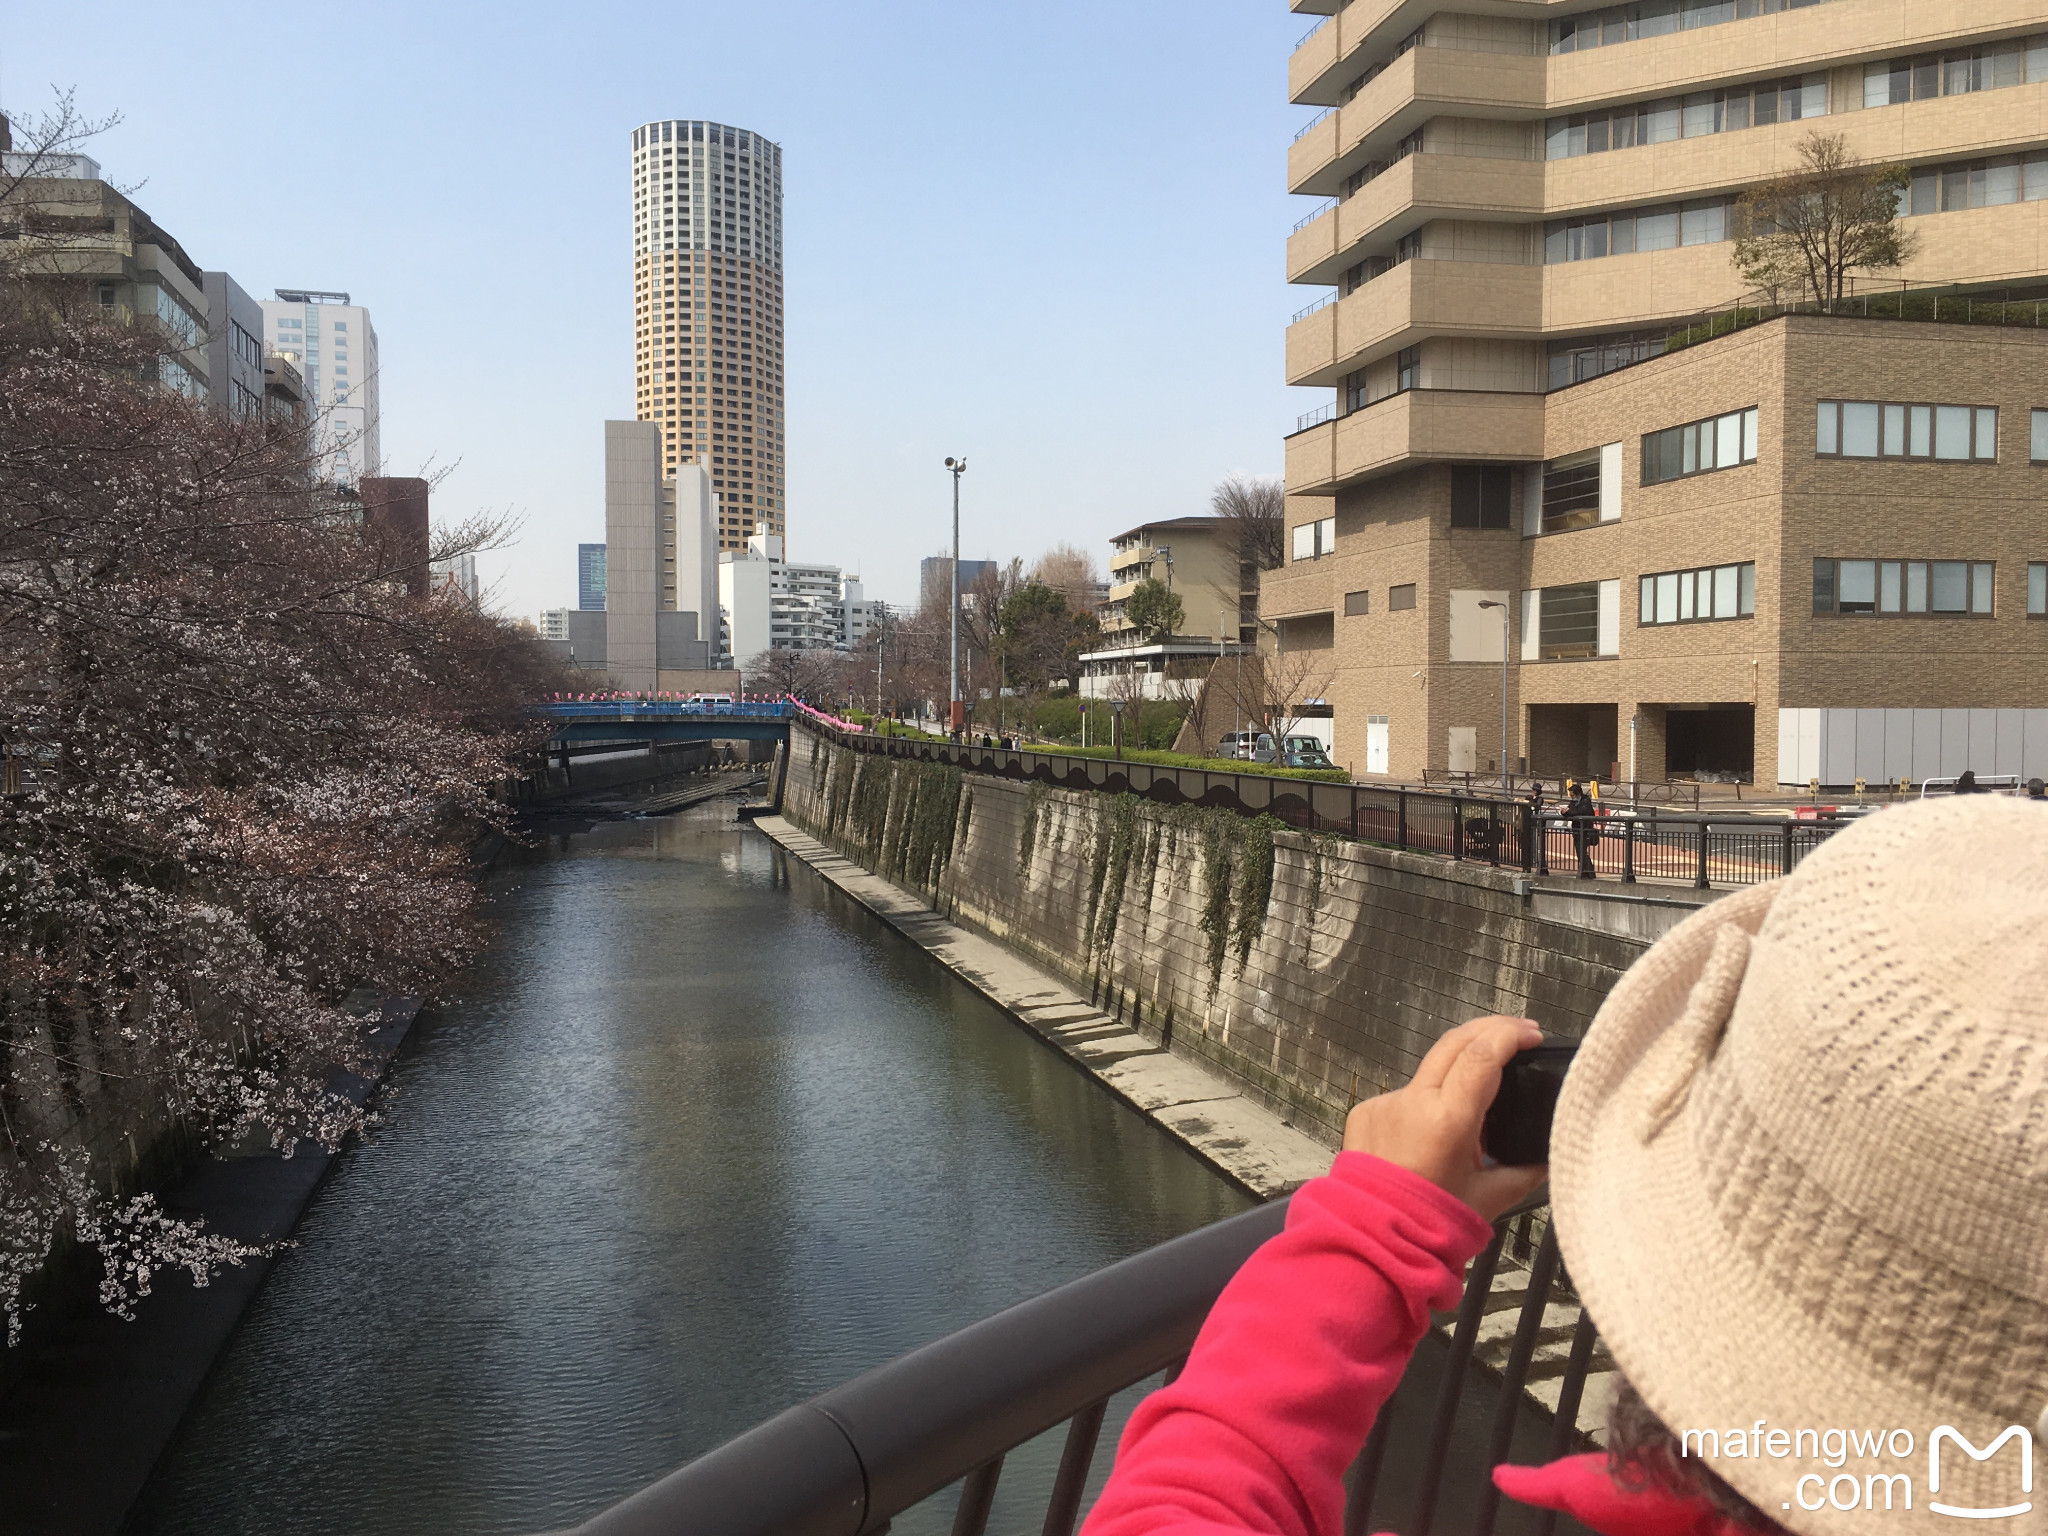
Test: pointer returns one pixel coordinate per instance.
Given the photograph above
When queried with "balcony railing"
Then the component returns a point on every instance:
(849, 1462)
(1316, 417)
(1313, 214)
(1313, 123)
(1323, 303)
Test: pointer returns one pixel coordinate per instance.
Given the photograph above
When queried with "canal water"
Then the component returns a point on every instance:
(699, 1138)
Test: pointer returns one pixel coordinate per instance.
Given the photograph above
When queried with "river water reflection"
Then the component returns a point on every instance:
(701, 1138)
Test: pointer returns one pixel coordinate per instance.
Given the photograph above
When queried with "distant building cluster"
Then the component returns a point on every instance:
(303, 355)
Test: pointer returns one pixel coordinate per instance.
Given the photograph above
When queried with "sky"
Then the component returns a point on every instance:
(1049, 238)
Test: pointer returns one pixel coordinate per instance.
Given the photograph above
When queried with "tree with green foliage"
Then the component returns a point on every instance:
(1154, 610)
(1043, 637)
(1800, 235)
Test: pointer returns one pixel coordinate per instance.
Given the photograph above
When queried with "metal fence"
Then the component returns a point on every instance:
(850, 1461)
(1702, 851)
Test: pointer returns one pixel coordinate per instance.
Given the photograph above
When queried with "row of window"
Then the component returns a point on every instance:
(1869, 429)
(1987, 183)
(1564, 622)
(1656, 18)
(1699, 596)
(1686, 117)
(1720, 442)
(1935, 588)
(2021, 62)
(1703, 221)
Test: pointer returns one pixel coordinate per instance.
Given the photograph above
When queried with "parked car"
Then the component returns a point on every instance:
(1304, 752)
(1248, 747)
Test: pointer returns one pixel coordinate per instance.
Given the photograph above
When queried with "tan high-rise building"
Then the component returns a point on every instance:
(1707, 545)
(707, 312)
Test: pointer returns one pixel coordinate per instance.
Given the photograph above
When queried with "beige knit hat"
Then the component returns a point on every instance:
(1800, 1176)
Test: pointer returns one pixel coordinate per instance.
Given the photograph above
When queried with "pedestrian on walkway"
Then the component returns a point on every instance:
(1584, 815)
(1787, 1197)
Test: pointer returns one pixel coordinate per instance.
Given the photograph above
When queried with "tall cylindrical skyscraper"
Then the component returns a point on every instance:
(707, 312)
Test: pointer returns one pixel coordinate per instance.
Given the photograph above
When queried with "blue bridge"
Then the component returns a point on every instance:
(669, 720)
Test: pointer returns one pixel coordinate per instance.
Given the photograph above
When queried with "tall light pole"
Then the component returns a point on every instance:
(957, 713)
(1503, 607)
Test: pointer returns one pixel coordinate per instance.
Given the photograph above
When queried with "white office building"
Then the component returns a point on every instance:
(766, 603)
(333, 345)
(554, 623)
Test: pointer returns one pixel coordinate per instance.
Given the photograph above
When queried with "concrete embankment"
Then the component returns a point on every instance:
(1305, 971)
(1243, 1140)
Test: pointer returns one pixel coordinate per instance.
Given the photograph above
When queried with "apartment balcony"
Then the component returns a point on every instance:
(1406, 196)
(1416, 299)
(1299, 590)
(1423, 83)
(1423, 424)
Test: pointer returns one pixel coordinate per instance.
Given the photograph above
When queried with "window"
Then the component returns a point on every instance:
(1356, 603)
(2019, 62)
(1314, 540)
(1568, 622)
(2039, 450)
(2037, 591)
(1656, 18)
(1719, 442)
(179, 321)
(1978, 183)
(1674, 117)
(1906, 587)
(1400, 599)
(1662, 228)
(1408, 369)
(1571, 492)
(1481, 495)
(1699, 597)
(1868, 429)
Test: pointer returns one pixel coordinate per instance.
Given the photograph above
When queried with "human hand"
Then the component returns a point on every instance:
(1431, 1126)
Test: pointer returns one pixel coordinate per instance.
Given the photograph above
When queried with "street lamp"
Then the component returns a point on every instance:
(957, 712)
(1503, 607)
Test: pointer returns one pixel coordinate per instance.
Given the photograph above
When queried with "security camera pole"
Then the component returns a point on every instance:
(958, 713)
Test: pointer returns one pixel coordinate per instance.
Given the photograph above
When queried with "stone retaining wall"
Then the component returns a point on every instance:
(1310, 969)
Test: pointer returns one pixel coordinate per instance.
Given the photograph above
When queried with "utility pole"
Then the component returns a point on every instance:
(957, 713)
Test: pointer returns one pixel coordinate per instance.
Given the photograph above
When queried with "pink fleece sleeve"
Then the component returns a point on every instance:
(1298, 1354)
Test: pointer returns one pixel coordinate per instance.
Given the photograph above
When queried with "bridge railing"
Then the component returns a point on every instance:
(1504, 833)
(852, 1460)
(667, 709)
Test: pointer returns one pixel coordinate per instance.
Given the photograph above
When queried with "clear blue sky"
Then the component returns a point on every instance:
(1049, 237)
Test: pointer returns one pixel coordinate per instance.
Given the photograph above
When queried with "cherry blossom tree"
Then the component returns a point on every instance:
(243, 772)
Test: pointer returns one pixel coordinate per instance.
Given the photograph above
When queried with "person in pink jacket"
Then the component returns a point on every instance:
(1799, 1172)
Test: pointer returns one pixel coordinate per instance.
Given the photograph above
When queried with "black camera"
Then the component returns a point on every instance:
(1517, 1129)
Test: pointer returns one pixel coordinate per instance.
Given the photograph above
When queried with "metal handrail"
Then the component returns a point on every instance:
(1314, 122)
(1323, 303)
(852, 1459)
(1316, 417)
(1316, 213)
(1502, 831)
